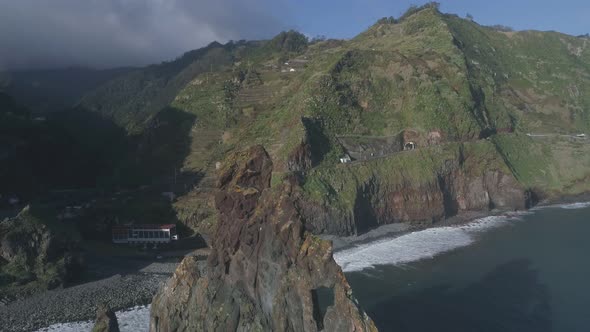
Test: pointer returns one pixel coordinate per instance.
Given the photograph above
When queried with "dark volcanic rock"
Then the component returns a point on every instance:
(106, 320)
(265, 272)
(300, 158)
(36, 249)
(457, 191)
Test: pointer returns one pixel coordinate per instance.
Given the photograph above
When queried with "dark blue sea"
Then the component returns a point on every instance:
(522, 272)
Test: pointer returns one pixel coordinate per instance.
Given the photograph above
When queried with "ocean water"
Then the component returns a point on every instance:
(520, 272)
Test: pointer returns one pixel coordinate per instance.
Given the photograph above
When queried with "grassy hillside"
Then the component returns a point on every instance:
(447, 81)
(539, 81)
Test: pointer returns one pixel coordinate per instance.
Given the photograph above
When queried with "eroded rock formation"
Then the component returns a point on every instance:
(38, 251)
(106, 320)
(265, 272)
(300, 158)
(453, 192)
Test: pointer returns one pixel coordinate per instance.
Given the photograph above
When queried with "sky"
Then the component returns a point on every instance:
(111, 33)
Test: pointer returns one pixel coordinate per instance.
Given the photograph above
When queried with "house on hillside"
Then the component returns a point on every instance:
(345, 159)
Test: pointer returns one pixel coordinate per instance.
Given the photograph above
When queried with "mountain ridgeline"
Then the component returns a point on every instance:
(465, 96)
(439, 115)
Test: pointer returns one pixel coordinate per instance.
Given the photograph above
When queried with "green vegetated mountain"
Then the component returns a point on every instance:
(38, 153)
(464, 95)
(53, 90)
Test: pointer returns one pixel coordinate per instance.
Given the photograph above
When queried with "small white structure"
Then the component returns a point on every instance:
(291, 69)
(218, 165)
(345, 159)
(581, 135)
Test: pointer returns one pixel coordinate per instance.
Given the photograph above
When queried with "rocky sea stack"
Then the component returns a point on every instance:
(265, 272)
(106, 320)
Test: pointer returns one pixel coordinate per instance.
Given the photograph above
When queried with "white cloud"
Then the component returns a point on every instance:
(105, 33)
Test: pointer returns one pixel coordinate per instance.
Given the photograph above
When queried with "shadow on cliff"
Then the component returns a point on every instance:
(319, 142)
(69, 149)
(365, 217)
(509, 298)
(120, 179)
(146, 172)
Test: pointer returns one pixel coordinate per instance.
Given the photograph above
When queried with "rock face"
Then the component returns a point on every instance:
(38, 251)
(300, 158)
(265, 272)
(106, 320)
(454, 192)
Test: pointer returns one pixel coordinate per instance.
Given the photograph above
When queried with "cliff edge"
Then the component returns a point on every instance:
(265, 272)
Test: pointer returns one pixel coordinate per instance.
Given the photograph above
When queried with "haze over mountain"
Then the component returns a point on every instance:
(113, 33)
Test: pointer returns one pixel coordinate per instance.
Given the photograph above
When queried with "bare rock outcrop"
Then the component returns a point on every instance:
(39, 251)
(106, 320)
(455, 188)
(265, 272)
(300, 159)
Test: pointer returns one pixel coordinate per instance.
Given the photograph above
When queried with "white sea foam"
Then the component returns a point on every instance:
(580, 205)
(393, 251)
(568, 206)
(135, 319)
(417, 245)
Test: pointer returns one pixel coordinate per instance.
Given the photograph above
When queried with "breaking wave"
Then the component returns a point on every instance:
(575, 205)
(135, 319)
(567, 206)
(417, 245)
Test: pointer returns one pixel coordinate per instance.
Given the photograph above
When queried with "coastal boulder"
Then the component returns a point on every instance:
(38, 250)
(106, 320)
(265, 272)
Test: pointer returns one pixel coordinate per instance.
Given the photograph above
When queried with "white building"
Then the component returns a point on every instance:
(141, 234)
(345, 159)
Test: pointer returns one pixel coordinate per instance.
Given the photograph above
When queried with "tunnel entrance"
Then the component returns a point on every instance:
(409, 146)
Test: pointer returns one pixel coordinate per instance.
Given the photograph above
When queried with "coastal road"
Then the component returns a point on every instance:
(576, 136)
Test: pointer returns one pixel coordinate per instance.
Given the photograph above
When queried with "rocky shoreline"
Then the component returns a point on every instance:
(79, 302)
(399, 229)
(123, 291)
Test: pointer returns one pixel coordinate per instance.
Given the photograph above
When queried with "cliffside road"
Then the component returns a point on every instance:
(386, 155)
(576, 136)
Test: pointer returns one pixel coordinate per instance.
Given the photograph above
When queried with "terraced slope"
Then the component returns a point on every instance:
(445, 77)
(465, 95)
